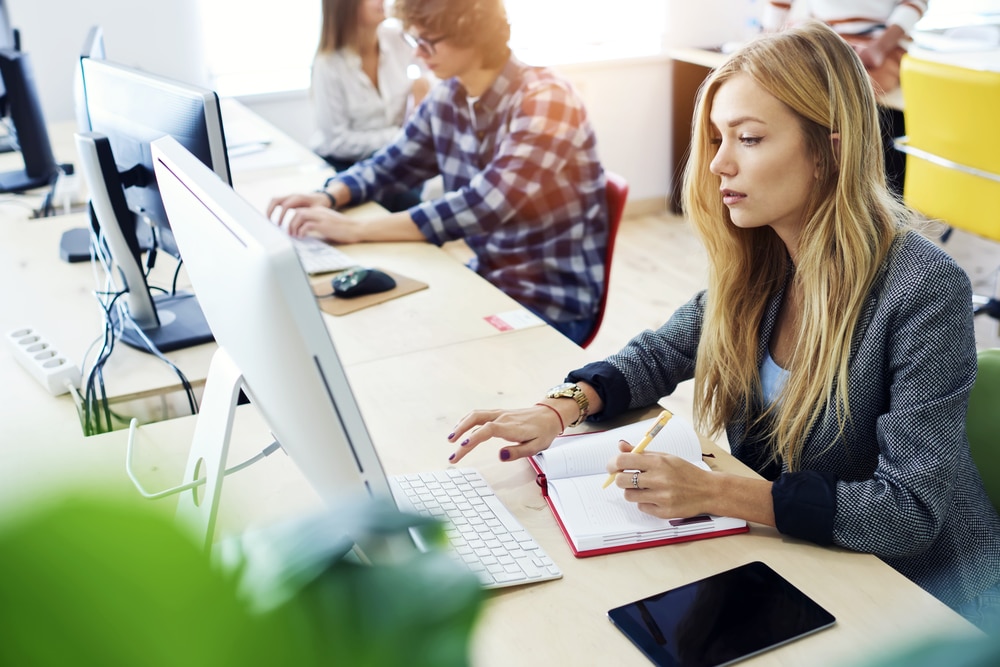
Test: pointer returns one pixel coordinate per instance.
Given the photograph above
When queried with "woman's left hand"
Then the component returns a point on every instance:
(668, 486)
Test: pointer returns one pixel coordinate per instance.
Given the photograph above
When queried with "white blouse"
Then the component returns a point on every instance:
(353, 117)
(850, 17)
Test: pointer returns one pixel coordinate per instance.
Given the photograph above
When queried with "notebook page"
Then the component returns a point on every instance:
(596, 517)
(589, 453)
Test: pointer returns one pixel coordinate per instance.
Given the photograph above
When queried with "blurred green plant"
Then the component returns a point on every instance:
(92, 580)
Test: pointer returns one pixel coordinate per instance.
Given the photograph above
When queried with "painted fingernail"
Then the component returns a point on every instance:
(504, 455)
(464, 442)
(451, 435)
(451, 458)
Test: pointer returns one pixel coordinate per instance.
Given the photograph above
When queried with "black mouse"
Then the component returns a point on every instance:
(361, 281)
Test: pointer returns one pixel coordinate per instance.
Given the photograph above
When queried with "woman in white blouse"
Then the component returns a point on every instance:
(361, 87)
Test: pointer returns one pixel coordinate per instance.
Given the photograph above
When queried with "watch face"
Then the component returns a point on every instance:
(564, 389)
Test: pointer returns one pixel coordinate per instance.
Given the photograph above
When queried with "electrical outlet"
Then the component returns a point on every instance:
(43, 361)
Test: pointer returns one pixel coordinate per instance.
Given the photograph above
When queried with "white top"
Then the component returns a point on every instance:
(353, 117)
(850, 17)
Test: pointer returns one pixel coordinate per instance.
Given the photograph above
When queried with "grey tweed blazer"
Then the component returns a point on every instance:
(900, 483)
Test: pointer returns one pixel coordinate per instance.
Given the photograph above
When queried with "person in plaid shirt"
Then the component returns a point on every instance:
(523, 184)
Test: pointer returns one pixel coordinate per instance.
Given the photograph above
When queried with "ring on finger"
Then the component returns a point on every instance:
(635, 480)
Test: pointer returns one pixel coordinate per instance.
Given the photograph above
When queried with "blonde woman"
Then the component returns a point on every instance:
(834, 345)
(361, 86)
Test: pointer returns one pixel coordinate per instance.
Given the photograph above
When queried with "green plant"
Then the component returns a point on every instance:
(92, 580)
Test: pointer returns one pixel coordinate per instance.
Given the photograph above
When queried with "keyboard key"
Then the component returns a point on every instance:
(318, 256)
(485, 536)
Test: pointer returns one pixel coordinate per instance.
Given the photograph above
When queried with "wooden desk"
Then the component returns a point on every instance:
(437, 374)
(564, 621)
(57, 299)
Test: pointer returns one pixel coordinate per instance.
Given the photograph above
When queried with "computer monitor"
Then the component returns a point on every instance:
(93, 48)
(272, 341)
(132, 108)
(22, 114)
(74, 244)
(9, 40)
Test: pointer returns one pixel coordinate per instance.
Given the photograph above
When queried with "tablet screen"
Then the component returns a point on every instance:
(720, 619)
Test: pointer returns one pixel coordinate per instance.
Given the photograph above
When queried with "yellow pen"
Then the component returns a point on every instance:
(648, 438)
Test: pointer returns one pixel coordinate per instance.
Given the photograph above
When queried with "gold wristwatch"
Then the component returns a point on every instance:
(571, 390)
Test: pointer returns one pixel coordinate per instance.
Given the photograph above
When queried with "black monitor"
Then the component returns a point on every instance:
(22, 114)
(128, 109)
(9, 40)
(74, 245)
(27, 129)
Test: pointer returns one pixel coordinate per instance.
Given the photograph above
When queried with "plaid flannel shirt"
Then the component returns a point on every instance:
(523, 186)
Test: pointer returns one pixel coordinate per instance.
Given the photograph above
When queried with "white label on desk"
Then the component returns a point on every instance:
(514, 319)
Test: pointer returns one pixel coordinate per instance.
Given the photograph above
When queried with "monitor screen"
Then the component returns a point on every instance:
(27, 130)
(93, 47)
(127, 109)
(8, 36)
(133, 108)
(8, 40)
(266, 320)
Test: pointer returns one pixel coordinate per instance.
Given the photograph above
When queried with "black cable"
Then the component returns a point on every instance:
(95, 393)
(153, 349)
(177, 273)
(91, 400)
(47, 209)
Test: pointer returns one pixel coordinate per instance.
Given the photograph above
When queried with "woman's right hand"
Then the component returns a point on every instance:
(531, 429)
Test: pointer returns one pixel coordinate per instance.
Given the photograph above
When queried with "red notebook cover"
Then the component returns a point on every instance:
(542, 482)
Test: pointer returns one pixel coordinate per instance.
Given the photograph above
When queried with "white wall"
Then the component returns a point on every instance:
(160, 36)
(628, 101)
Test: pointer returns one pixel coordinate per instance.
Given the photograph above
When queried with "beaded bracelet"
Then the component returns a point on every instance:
(333, 201)
(562, 424)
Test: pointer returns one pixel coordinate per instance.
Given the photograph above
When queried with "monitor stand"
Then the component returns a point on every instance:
(181, 324)
(198, 508)
(74, 244)
(19, 181)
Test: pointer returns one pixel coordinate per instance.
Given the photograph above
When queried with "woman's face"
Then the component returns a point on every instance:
(371, 13)
(766, 172)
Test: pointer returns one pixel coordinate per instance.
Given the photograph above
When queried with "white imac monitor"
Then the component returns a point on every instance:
(272, 340)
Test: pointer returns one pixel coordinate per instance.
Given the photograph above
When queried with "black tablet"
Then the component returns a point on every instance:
(720, 619)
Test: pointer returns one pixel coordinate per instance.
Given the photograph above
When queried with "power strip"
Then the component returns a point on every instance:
(39, 358)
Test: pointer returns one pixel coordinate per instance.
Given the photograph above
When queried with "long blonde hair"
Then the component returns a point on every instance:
(850, 222)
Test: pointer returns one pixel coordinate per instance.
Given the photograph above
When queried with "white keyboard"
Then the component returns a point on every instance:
(318, 256)
(484, 535)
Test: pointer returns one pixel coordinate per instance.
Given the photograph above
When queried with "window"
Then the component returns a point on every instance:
(552, 32)
(249, 51)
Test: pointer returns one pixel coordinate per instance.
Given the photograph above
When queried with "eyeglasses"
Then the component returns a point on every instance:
(426, 46)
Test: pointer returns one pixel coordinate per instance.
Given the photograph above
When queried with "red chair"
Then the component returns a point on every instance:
(617, 193)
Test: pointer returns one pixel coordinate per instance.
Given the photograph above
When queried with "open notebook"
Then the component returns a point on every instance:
(596, 520)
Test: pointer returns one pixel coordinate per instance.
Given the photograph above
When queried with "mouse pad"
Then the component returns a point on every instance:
(335, 306)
